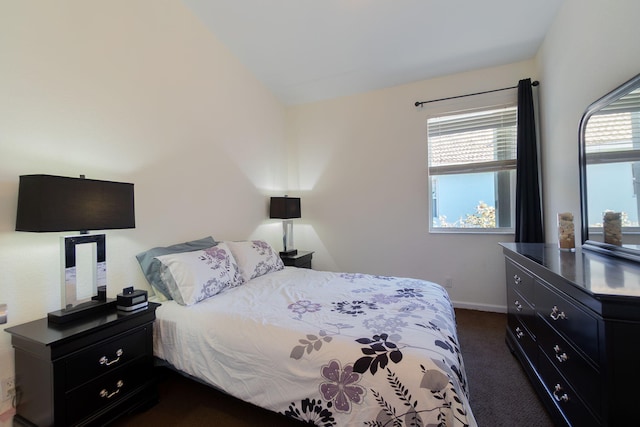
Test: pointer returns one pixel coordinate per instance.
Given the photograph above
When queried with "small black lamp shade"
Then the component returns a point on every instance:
(285, 207)
(57, 203)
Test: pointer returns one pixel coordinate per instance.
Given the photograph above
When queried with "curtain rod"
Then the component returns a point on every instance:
(419, 103)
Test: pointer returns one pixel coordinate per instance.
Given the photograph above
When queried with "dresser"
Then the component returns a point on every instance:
(87, 372)
(574, 323)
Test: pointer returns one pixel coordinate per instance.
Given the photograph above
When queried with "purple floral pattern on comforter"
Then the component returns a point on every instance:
(327, 349)
(381, 355)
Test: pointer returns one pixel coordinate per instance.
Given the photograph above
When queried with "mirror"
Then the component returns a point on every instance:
(609, 143)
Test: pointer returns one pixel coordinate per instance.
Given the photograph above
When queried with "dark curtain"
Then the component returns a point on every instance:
(528, 205)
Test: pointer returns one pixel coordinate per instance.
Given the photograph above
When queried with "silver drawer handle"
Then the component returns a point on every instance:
(560, 397)
(519, 332)
(517, 279)
(556, 314)
(105, 394)
(518, 305)
(105, 361)
(561, 357)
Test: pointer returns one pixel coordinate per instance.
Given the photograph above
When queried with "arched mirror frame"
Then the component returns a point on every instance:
(628, 252)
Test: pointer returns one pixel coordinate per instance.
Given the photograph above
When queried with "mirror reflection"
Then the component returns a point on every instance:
(610, 171)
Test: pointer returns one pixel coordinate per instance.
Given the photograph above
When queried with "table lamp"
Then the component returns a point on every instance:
(286, 208)
(48, 203)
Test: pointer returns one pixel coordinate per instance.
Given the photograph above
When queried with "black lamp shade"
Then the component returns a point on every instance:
(57, 203)
(285, 207)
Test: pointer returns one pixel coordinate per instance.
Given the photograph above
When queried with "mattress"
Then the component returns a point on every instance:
(326, 348)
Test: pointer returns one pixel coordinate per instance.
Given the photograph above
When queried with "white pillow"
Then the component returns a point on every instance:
(194, 276)
(255, 258)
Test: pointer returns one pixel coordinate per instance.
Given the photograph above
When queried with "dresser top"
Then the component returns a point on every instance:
(600, 275)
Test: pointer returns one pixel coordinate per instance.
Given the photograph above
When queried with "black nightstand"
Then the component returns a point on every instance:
(89, 371)
(301, 260)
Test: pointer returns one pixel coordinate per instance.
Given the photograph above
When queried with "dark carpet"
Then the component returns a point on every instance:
(500, 391)
(501, 394)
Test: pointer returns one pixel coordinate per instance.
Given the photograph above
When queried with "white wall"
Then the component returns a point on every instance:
(362, 170)
(137, 92)
(591, 49)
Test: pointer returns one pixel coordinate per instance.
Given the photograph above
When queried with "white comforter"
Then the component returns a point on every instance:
(326, 348)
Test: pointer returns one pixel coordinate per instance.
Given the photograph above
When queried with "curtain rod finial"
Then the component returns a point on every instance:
(535, 83)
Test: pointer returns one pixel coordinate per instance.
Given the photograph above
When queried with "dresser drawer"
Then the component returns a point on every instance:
(105, 357)
(584, 378)
(564, 396)
(107, 390)
(523, 337)
(576, 325)
(520, 280)
(518, 306)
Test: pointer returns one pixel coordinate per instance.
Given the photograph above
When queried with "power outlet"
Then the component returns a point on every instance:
(448, 282)
(8, 388)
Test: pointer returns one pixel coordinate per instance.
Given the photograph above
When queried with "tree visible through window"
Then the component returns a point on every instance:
(472, 163)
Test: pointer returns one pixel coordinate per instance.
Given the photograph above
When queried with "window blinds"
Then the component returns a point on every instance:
(473, 142)
(613, 134)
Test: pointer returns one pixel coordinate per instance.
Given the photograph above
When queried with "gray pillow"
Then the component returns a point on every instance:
(151, 266)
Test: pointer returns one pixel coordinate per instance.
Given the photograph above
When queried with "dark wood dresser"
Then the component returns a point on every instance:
(87, 372)
(574, 324)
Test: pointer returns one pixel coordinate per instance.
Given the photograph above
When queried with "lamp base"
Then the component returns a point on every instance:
(86, 309)
(290, 252)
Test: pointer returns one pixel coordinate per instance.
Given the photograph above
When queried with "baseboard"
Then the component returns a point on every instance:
(480, 307)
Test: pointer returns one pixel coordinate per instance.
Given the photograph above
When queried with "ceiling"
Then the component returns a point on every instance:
(309, 50)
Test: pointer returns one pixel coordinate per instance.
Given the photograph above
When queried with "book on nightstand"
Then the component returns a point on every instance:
(133, 307)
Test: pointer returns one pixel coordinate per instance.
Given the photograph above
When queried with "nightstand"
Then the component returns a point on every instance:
(301, 260)
(86, 372)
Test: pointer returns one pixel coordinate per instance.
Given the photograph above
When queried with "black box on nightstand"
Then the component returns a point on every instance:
(131, 299)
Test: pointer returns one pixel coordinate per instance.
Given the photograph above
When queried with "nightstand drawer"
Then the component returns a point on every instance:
(59, 376)
(106, 390)
(105, 357)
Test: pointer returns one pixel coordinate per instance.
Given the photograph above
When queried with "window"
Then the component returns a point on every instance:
(472, 165)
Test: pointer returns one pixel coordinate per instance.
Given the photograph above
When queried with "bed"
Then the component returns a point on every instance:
(325, 348)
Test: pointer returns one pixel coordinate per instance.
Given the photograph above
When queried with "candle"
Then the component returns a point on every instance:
(612, 224)
(566, 231)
